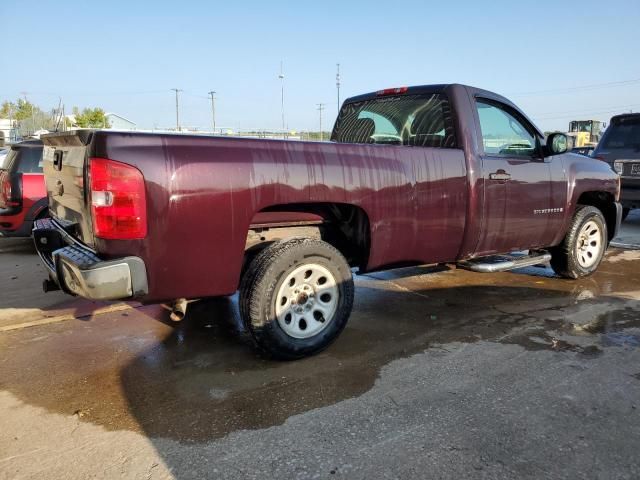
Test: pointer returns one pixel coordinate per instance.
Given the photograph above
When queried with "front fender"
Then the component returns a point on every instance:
(586, 175)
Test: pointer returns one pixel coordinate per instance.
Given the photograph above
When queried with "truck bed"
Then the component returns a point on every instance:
(204, 194)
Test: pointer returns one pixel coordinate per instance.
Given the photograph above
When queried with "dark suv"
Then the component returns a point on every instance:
(23, 196)
(620, 148)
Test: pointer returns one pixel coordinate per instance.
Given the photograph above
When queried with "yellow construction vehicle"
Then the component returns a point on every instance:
(586, 133)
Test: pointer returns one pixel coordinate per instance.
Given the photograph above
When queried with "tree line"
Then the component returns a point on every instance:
(29, 117)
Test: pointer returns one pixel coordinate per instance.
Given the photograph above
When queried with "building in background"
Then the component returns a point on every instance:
(8, 131)
(117, 122)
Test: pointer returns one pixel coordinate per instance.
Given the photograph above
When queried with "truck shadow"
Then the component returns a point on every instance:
(200, 380)
(205, 380)
(22, 299)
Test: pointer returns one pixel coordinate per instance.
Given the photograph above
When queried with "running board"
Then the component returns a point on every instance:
(502, 263)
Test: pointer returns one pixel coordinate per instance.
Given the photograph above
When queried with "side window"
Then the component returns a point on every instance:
(502, 133)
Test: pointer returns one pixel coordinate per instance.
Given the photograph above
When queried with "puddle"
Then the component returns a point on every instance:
(623, 256)
(202, 379)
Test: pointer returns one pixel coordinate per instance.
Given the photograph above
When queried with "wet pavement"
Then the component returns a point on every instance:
(440, 373)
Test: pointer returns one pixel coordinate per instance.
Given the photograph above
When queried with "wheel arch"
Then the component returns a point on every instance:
(605, 202)
(343, 225)
(37, 209)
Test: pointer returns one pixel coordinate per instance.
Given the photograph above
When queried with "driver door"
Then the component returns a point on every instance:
(517, 182)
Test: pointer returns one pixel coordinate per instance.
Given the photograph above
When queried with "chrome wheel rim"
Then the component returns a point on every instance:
(589, 245)
(307, 301)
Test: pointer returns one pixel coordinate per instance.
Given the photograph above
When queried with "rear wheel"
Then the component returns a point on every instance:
(582, 249)
(296, 297)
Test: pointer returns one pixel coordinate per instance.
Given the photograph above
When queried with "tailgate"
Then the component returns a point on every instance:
(64, 159)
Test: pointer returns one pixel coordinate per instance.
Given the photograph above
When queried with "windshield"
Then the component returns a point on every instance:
(581, 126)
(416, 120)
(623, 135)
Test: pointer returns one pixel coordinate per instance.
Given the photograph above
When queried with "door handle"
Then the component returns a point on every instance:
(500, 175)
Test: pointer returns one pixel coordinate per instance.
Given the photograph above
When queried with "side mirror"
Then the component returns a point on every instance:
(557, 143)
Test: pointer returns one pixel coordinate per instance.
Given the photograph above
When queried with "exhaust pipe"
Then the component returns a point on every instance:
(179, 309)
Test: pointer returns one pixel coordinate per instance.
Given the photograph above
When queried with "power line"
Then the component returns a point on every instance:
(561, 115)
(80, 93)
(187, 92)
(584, 112)
(593, 86)
(115, 94)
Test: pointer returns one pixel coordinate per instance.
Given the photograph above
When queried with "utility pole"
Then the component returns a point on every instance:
(320, 109)
(26, 101)
(281, 77)
(58, 114)
(338, 85)
(12, 129)
(177, 90)
(213, 109)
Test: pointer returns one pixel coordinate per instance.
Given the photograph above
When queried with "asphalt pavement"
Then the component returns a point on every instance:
(440, 373)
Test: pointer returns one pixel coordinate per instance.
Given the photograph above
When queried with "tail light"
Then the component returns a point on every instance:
(5, 190)
(118, 200)
(392, 91)
(10, 192)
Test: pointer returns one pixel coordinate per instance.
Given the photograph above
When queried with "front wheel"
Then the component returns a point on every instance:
(582, 249)
(296, 297)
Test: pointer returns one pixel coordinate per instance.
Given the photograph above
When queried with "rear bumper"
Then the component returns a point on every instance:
(18, 221)
(23, 230)
(79, 271)
(12, 223)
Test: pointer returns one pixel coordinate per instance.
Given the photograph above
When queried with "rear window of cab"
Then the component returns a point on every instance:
(422, 120)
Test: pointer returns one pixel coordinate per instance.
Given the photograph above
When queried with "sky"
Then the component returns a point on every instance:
(557, 60)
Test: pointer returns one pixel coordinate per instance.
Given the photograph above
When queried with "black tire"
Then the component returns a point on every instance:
(565, 259)
(261, 288)
(625, 213)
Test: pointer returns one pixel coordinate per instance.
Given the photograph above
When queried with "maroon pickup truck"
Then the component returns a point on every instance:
(421, 175)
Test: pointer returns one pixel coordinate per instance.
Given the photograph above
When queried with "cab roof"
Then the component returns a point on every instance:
(444, 88)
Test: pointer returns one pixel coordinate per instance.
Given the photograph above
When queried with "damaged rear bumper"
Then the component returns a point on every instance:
(77, 270)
